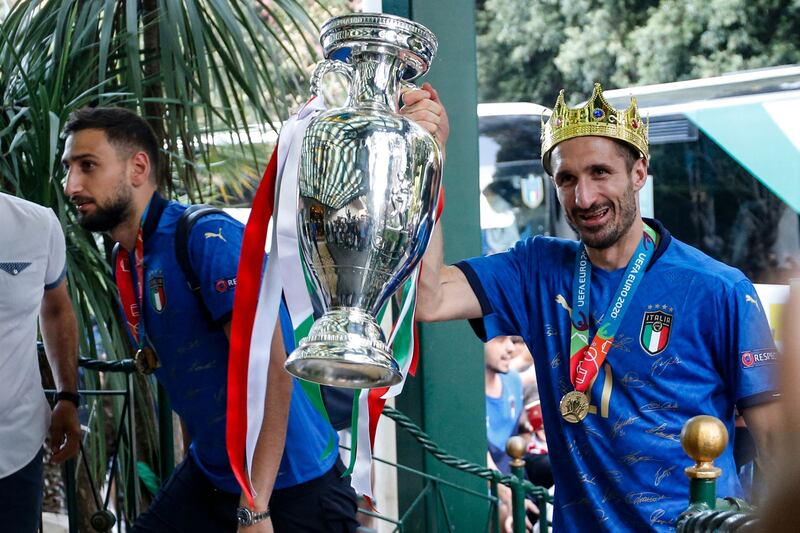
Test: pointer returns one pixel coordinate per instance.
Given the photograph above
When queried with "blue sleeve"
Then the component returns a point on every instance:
(749, 355)
(214, 246)
(499, 281)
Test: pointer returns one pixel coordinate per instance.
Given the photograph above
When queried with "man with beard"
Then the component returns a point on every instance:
(32, 284)
(614, 410)
(111, 156)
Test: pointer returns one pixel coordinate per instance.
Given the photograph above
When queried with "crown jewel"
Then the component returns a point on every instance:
(596, 118)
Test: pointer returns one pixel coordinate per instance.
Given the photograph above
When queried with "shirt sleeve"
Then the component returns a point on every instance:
(57, 253)
(214, 246)
(499, 283)
(750, 354)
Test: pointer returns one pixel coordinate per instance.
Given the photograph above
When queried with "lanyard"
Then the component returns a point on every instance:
(130, 283)
(586, 359)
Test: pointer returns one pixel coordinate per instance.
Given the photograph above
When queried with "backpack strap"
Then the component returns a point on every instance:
(184, 230)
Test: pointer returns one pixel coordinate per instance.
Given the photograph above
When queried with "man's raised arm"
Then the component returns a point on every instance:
(444, 293)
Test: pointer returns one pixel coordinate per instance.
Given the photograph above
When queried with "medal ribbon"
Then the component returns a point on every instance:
(586, 359)
(126, 277)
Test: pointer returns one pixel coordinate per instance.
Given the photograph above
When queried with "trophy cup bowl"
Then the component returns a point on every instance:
(368, 184)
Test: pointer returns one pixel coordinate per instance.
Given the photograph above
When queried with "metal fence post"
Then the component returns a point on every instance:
(71, 489)
(516, 449)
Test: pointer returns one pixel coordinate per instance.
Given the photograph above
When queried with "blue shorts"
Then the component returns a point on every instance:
(21, 498)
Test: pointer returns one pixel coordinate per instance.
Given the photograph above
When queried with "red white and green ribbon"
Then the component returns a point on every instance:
(255, 311)
(276, 200)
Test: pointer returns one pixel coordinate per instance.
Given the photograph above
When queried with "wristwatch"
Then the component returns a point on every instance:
(73, 397)
(248, 518)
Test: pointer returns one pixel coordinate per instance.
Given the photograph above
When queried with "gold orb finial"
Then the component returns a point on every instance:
(704, 438)
(515, 447)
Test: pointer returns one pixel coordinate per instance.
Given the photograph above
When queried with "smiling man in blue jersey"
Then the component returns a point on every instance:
(633, 331)
(111, 156)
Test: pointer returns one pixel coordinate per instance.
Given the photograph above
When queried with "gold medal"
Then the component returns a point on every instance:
(574, 406)
(146, 360)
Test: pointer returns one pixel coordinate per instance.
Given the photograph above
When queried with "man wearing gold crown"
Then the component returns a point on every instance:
(633, 332)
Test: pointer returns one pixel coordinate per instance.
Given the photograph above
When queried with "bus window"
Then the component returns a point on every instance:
(516, 198)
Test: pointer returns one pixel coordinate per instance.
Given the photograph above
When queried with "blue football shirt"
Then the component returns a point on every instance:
(193, 348)
(621, 468)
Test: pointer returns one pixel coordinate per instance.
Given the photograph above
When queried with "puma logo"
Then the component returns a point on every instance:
(560, 300)
(750, 299)
(218, 235)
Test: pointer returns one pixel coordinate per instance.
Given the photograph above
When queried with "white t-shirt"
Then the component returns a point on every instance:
(32, 259)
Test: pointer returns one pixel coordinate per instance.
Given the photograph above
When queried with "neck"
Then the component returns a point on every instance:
(619, 254)
(126, 232)
(494, 387)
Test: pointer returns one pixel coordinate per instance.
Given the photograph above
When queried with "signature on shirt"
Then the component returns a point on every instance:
(631, 380)
(620, 424)
(658, 431)
(638, 498)
(655, 518)
(662, 474)
(661, 364)
(637, 457)
(659, 406)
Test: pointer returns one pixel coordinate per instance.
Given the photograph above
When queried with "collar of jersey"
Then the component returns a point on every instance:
(665, 237)
(153, 215)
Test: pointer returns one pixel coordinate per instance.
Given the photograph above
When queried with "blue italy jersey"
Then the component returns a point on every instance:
(193, 348)
(694, 341)
(502, 418)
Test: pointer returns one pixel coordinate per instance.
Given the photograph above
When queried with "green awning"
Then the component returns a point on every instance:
(763, 136)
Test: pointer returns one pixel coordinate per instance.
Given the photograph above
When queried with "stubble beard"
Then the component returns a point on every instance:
(624, 217)
(109, 216)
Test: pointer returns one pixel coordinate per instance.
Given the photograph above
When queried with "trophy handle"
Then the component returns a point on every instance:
(326, 66)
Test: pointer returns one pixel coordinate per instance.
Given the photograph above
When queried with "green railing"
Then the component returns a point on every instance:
(433, 493)
(119, 476)
(127, 497)
(704, 439)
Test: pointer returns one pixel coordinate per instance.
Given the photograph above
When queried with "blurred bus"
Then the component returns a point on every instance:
(724, 163)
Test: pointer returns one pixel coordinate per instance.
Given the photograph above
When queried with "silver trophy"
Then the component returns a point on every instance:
(368, 184)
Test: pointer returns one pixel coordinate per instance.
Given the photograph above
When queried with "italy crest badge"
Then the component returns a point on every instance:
(656, 327)
(158, 296)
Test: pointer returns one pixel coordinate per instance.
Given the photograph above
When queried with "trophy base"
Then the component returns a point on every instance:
(345, 348)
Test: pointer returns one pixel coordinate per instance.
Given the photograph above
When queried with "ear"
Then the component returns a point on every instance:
(140, 168)
(639, 173)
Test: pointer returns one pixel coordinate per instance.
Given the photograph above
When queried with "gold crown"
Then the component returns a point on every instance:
(598, 118)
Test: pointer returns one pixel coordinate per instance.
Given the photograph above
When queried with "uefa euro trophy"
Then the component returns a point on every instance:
(368, 183)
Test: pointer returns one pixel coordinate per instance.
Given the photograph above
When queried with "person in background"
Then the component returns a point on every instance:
(33, 284)
(111, 156)
(504, 413)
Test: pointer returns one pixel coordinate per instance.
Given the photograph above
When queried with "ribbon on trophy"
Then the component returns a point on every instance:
(256, 305)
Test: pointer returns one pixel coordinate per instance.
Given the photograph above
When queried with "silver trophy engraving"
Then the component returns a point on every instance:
(368, 183)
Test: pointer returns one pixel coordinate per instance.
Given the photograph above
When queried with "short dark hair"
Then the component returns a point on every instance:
(123, 128)
(628, 152)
